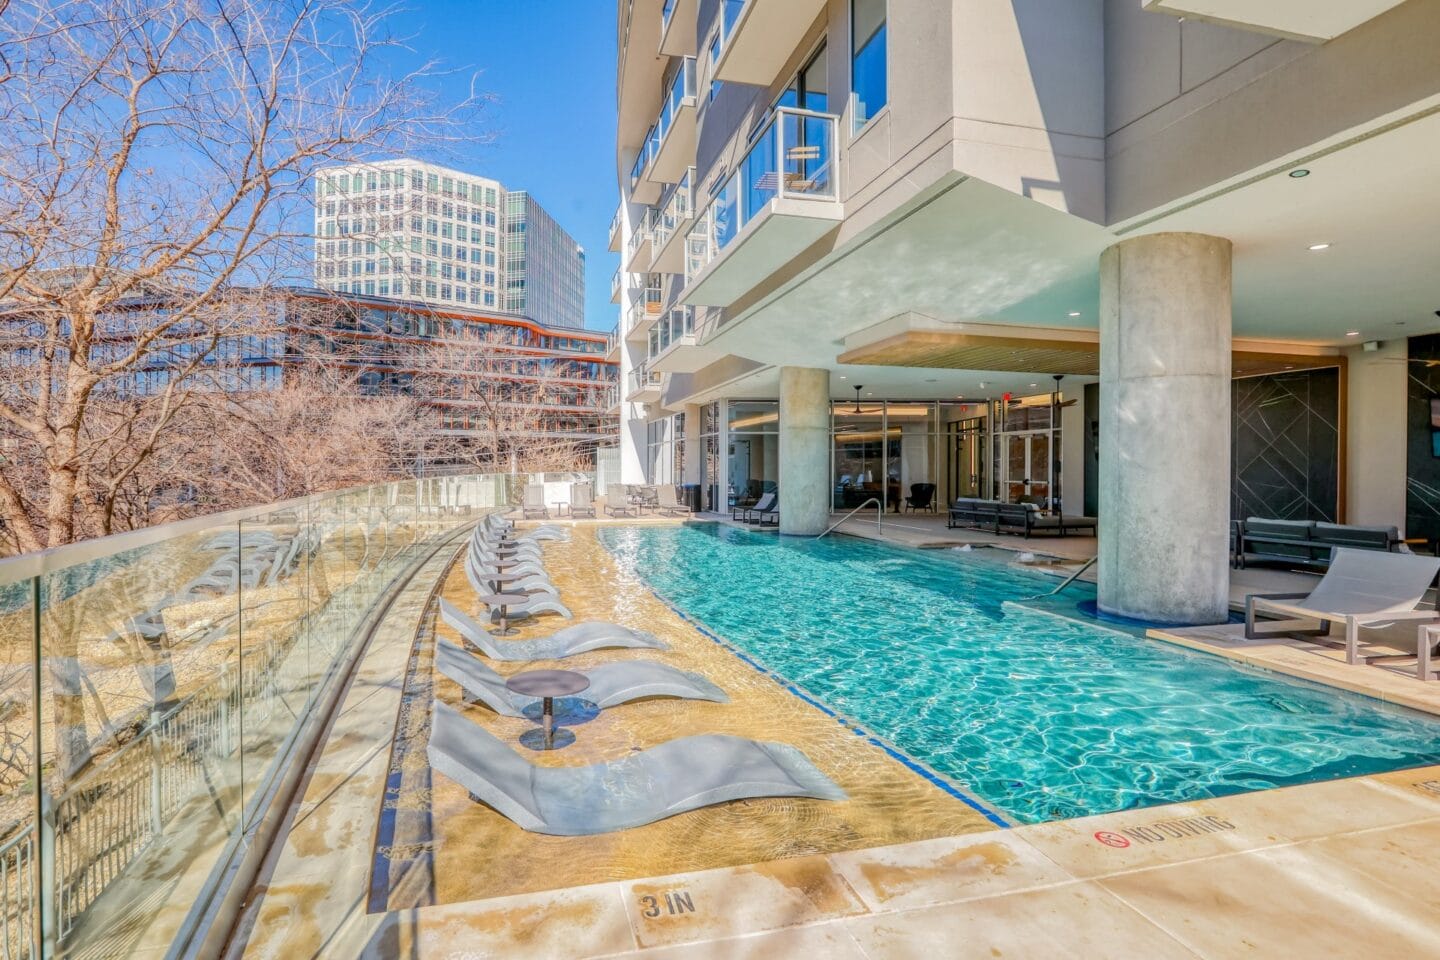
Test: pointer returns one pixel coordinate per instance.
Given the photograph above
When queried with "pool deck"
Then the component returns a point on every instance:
(1330, 869)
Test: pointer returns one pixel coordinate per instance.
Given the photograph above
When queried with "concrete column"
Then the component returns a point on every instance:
(694, 455)
(1165, 428)
(804, 450)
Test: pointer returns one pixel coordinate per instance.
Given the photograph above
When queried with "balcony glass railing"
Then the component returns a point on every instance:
(730, 11)
(643, 378)
(672, 328)
(676, 210)
(644, 226)
(791, 157)
(158, 685)
(648, 149)
(617, 220)
(615, 282)
(682, 89)
(666, 12)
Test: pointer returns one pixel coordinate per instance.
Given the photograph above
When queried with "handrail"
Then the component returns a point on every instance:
(879, 512)
(1070, 579)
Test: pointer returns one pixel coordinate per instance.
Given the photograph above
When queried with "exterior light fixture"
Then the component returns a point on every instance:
(857, 399)
(1297, 174)
(1319, 246)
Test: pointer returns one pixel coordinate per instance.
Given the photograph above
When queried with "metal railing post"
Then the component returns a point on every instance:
(46, 927)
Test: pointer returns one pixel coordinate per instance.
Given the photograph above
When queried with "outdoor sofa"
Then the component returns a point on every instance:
(1305, 543)
(1018, 518)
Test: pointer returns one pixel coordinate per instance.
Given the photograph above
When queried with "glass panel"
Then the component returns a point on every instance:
(758, 174)
(138, 666)
(911, 469)
(754, 416)
(808, 153)
(859, 454)
(1016, 468)
(868, 66)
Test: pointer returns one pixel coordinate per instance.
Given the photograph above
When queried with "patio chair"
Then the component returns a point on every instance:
(534, 507)
(639, 788)
(765, 504)
(581, 638)
(582, 500)
(669, 502)
(1362, 588)
(611, 684)
(922, 497)
(617, 501)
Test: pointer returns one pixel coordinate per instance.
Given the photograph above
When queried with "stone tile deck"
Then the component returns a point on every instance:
(1341, 868)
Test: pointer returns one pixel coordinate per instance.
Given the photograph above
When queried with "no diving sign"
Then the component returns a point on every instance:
(1159, 831)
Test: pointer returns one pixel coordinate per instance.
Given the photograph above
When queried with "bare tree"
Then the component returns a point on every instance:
(160, 148)
(494, 405)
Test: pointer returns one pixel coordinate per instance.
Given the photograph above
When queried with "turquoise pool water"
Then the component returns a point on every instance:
(1040, 717)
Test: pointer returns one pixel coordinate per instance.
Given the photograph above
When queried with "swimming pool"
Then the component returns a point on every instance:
(1042, 717)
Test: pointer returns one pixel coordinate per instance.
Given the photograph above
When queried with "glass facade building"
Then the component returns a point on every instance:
(544, 266)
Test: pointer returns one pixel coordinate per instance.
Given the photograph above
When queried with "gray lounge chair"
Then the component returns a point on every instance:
(1362, 588)
(611, 684)
(617, 501)
(582, 500)
(534, 504)
(581, 638)
(675, 777)
(669, 502)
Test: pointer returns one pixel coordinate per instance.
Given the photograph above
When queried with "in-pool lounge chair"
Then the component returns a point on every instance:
(581, 638)
(1362, 588)
(611, 684)
(639, 788)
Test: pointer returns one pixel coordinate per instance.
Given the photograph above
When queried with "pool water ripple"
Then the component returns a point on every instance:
(1042, 716)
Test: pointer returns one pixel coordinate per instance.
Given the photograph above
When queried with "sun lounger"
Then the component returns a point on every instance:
(639, 788)
(582, 500)
(766, 504)
(581, 638)
(534, 504)
(669, 503)
(611, 684)
(1362, 588)
(617, 501)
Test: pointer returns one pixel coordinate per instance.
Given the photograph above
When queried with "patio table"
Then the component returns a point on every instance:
(547, 685)
(503, 601)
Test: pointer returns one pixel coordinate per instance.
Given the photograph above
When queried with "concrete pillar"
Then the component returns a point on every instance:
(804, 450)
(694, 454)
(1165, 428)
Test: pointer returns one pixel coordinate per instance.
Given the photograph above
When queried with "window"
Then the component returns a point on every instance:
(432, 184)
(489, 298)
(384, 288)
(447, 251)
(384, 179)
(807, 90)
(432, 248)
(414, 244)
(868, 62)
(461, 253)
(370, 180)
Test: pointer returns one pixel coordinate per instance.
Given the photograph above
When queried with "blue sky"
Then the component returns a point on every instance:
(551, 66)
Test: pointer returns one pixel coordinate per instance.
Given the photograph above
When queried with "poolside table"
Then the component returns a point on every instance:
(547, 685)
(503, 601)
(497, 579)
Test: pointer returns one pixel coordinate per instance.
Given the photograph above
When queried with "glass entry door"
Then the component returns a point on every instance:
(1025, 467)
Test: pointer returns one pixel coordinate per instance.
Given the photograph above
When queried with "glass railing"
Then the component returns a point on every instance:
(648, 149)
(156, 686)
(791, 157)
(682, 89)
(666, 12)
(616, 221)
(615, 283)
(643, 378)
(672, 329)
(644, 227)
(730, 11)
(675, 211)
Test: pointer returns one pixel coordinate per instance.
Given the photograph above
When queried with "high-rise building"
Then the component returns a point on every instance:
(407, 229)
(1144, 262)
(544, 266)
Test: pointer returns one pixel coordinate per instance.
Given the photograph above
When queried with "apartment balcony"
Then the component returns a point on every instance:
(669, 337)
(642, 315)
(644, 385)
(676, 216)
(642, 188)
(637, 254)
(612, 345)
(675, 127)
(781, 198)
(612, 399)
(677, 27)
(617, 285)
(617, 229)
(758, 37)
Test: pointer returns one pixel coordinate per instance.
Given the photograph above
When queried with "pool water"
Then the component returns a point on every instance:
(1037, 715)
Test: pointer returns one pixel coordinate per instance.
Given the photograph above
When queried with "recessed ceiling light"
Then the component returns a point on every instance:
(1074, 313)
(1319, 246)
(842, 377)
(1302, 172)
(1352, 333)
(1034, 384)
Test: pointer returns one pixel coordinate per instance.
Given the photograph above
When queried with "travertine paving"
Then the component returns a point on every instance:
(1343, 868)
